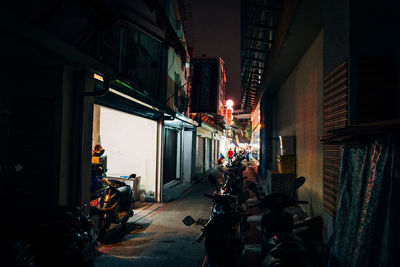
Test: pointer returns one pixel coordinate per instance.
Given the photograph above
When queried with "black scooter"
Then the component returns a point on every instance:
(115, 205)
(223, 244)
(224, 232)
(64, 237)
(280, 245)
(232, 187)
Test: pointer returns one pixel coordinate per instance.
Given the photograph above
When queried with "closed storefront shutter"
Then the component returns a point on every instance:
(170, 155)
(335, 117)
(200, 155)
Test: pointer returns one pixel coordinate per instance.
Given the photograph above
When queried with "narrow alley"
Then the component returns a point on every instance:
(160, 238)
(114, 116)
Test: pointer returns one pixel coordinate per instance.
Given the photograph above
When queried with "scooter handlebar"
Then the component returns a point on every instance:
(200, 237)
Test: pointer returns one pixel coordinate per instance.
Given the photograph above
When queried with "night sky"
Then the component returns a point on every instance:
(216, 33)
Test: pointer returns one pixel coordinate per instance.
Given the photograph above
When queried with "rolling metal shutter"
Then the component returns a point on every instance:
(335, 116)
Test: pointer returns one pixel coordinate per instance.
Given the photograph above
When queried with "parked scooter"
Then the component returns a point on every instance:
(231, 186)
(224, 232)
(115, 205)
(280, 245)
(223, 244)
(237, 167)
(64, 237)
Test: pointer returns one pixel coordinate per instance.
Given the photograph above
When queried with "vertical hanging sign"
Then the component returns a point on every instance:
(229, 111)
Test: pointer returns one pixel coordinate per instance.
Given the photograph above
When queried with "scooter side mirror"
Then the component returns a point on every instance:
(213, 180)
(299, 182)
(133, 175)
(188, 221)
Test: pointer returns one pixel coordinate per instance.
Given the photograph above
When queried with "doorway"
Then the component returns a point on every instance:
(170, 156)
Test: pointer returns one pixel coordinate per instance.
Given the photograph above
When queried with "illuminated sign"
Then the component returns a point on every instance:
(229, 111)
(229, 115)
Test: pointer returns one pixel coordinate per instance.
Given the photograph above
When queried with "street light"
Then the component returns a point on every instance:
(229, 103)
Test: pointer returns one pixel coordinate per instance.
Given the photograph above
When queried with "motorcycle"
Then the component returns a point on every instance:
(231, 186)
(224, 232)
(223, 240)
(280, 244)
(64, 237)
(115, 205)
(237, 167)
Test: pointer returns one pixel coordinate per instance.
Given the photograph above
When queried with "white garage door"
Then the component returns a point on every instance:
(130, 143)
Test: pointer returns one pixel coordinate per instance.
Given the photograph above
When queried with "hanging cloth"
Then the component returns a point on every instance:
(367, 227)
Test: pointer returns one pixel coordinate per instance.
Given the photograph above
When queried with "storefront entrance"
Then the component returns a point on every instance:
(130, 144)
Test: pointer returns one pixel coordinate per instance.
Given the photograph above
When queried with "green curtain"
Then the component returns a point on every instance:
(368, 217)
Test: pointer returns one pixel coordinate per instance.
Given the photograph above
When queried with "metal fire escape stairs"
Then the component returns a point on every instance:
(259, 24)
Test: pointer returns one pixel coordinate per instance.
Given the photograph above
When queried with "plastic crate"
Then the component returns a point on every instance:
(286, 164)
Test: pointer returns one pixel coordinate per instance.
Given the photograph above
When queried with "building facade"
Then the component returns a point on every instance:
(113, 74)
(313, 76)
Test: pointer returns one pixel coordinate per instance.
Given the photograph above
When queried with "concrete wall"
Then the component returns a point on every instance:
(175, 69)
(66, 137)
(86, 145)
(298, 111)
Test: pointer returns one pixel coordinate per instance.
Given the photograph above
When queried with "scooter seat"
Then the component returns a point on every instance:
(124, 189)
(116, 183)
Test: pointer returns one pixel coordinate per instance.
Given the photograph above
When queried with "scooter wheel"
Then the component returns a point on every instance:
(103, 226)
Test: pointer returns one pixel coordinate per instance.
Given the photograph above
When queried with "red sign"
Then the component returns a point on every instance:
(229, 115)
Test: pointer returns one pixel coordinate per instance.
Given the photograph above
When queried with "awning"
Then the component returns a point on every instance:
(206, 130)
(182, 122)
(116, 101)
(124, 97)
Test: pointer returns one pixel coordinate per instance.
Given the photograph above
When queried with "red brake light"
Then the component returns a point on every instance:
(94, 202)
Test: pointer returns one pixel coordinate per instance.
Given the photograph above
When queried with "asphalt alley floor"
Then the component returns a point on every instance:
(156, 236)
